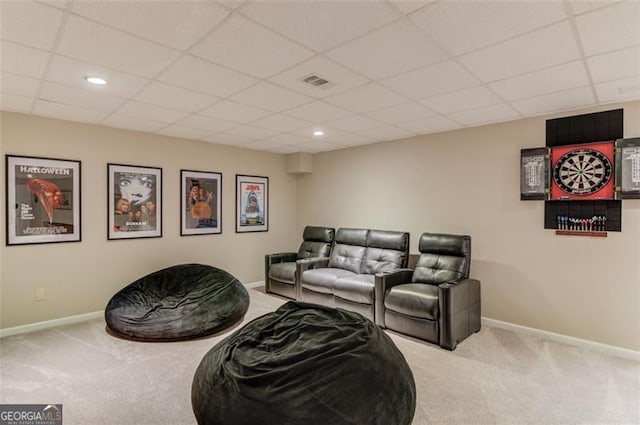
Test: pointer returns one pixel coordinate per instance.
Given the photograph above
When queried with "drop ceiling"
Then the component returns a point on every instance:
(232, 72)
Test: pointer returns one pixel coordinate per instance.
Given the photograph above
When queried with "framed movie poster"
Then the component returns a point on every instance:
(134, 202)
(200, 203)
(252, 203)
(43, 200)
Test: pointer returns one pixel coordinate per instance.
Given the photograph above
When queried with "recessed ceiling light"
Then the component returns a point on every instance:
(318, 133)
(96, 81)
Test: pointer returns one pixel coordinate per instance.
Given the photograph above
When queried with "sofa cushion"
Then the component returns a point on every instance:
(347, 257)
(322, 280)
(358, 288)
(283, 272)
(444, 258)
(386, 250)
(414, 299)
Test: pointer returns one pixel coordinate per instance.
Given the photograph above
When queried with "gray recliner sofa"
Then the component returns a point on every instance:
(280, 268)
(347, 278)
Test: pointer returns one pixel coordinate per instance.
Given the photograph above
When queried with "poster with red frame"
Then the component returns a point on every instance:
(583, 172)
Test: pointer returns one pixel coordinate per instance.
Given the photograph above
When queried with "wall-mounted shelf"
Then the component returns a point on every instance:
(581, 233)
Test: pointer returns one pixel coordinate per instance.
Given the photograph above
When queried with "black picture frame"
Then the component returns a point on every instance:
(200, 203)
(252, 203)
(36, 211)
(134, 202)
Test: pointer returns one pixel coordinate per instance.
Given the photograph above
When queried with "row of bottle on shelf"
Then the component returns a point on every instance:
(597, 223)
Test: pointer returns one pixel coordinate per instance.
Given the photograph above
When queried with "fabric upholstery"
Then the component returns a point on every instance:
(181, 302)
(305, 364)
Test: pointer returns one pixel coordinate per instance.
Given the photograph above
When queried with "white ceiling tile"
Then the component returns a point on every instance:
(315, 146)
(339, 77)
(393, 49)
(610, 28)
(321, 25)
(619, 90)
(227, 139)
(404, 112)
(95, 43)
(67, 112)
(95, 99)
(366, 98)
(29, 23)
(212, 125)
(199, 75)
(347, 139)
(19, 85)
(385, 133)
(251, 132)
(261, 145)
(233, 111)
(536, 50)
(286, 139)
(23, 60)
(174, 97)
(245, 46)
(582, 6)
(627, 64)
(565, 100)
(410, 6)
(71, 72)
(464, 26)
(184, 132)
(355, 123)
(430, 125)
(472, 98)
(485, 115)
(432, 80)
(318, 112)
(231, 4)
(268, 96)
(279, 122)
(285, 149)
(135, 124)
(188, 21)
(15, 103)
(60, 4)
(148, 112)
(537, 83)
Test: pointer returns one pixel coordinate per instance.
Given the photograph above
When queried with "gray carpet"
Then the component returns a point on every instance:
(494, 377)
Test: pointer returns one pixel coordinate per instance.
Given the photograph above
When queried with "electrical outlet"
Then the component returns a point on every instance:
(39, 295)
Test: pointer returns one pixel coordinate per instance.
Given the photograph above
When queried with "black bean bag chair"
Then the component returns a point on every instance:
(177, 303)
(305, 364)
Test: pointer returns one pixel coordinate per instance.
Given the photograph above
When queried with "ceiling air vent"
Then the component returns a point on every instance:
(317, 81)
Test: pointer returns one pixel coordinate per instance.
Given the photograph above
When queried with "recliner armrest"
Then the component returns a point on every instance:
(282, 257)
(456, 297)
(307, 264)
(383, 282)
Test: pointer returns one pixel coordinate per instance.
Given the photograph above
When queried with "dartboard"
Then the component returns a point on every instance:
(582, 171)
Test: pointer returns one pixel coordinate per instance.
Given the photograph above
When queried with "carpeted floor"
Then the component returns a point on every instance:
(494, 377)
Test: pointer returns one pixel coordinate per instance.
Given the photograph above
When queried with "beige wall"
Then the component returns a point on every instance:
(467, 181)
(81, 277)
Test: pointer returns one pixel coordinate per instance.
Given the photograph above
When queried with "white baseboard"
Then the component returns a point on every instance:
(38, 326)
(611, 350)
(257, 284)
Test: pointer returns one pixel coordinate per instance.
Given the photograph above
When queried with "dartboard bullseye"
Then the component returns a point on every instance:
(582, 171)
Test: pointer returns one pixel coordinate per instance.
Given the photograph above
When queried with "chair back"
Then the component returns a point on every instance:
(443, 258)
(316, 242)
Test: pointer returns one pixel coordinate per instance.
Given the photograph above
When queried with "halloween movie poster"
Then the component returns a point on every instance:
(43, 198)
(252, 203)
